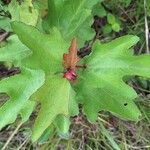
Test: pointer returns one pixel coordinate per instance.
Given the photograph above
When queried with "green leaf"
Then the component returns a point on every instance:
(107, 29)
(116, 27)
(148, 8)
(126, 3)
(27, 110)
(55, 97)
(13, 50)
(24, 12)
(89, 4)
(99, 10)
(102, 86)
(86, 33)
(19, 88)
(62, 123)
(47, 50)
(70, 16)
(13, 8)
(5, 24)
(111, 19)
(28, 14)
(41, 4)
(49, 132)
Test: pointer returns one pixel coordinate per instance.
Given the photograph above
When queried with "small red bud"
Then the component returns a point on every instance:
(70, 75)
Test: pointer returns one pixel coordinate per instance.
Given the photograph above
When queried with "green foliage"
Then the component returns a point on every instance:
(148, 8)
(113, 22)
(56, 97)
(47, 55)
(46, 135)
(14, 50)
(126, 3)
(109, 137)
(99, 10)
(24, 12)
(71, 17)
(107, 29)
(19, 88)
(99, 86)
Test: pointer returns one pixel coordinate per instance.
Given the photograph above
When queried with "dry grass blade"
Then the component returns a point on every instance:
(146, 27)
(11, 136)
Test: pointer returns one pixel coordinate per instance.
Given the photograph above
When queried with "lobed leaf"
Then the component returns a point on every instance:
(19, 88)
(47, 50)
(56, 98)
(102, 87)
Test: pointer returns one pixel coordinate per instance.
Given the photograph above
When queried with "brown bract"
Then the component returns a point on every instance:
(71, 59)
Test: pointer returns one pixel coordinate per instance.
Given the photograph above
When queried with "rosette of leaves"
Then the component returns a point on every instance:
(52, 78)
(41, 72)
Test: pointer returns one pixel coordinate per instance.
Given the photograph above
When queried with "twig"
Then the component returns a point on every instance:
(146, 28)
(11, 136)
(126, 14)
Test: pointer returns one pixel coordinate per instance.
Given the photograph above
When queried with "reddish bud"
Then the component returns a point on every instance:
(70, 75)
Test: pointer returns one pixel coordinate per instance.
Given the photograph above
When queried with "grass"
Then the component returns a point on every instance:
(108, 133)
